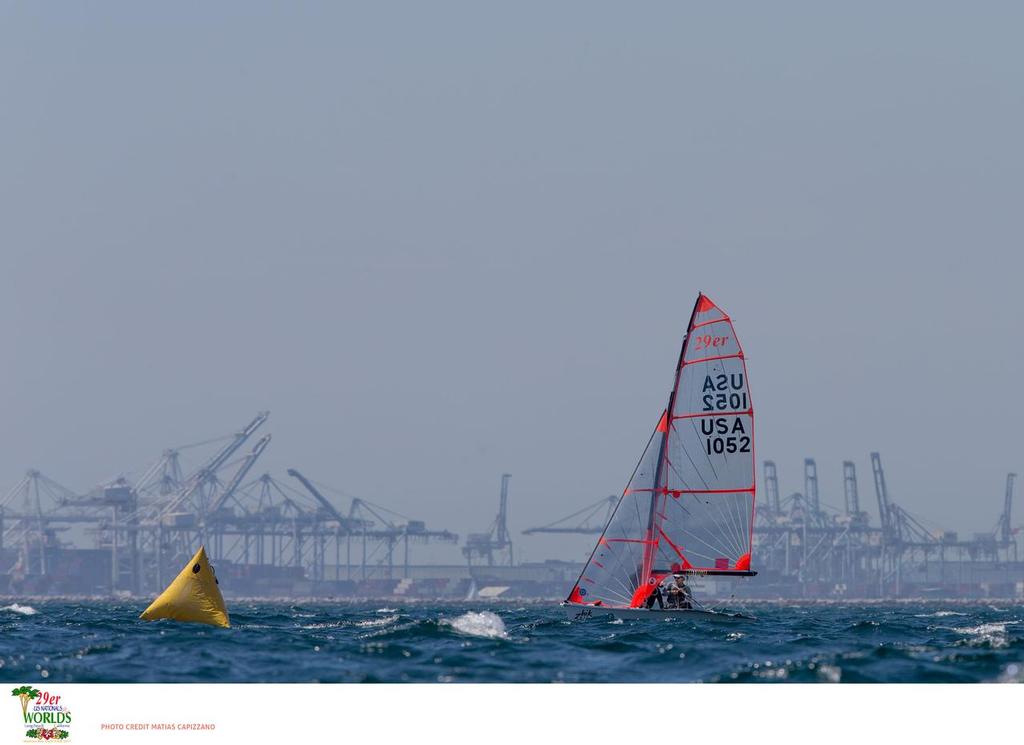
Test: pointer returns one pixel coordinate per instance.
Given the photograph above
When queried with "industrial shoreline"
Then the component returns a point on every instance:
(269, 537)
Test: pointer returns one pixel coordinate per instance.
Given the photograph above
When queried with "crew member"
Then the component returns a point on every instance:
(655, 597)
(679, 595)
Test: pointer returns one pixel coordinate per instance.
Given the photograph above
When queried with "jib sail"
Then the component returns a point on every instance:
(689, 505)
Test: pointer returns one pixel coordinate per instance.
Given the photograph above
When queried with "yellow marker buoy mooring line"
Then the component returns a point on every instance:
(194, 596)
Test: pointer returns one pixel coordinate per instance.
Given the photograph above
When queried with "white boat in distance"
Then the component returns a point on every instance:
(689, 506)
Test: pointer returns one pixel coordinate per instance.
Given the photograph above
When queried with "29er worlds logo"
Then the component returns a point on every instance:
(45, 716)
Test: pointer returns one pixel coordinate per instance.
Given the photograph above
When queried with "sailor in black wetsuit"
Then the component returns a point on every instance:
(655, 597)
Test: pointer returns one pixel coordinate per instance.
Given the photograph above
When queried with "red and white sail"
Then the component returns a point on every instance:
(690, 502)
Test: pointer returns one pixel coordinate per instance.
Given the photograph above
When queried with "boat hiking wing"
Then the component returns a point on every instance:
(689, 505)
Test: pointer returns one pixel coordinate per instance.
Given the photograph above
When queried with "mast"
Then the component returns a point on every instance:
(651, 545)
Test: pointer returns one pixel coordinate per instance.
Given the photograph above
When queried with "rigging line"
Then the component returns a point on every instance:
(717, 548)
(621, 598)
(636, 575)
(692, 403)
(619, 564)
(693, 425)
(735, 524)
(723, 319)
(675, 470)
(724, 548)
(745, 516)
(695, 469)
(605, 589)
(694, 536)
(743, 522)
(731, 524)
(695, 552)
(638, 581)
(618, 569)
(722, 521)
(611, 546)
(636, 506)
(621, 581)
(673, 546)
(745, 512)
(628, 591)
(702, 560)
(660, 503)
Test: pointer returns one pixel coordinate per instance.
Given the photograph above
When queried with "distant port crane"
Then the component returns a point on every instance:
(497, 541)
(590, 520)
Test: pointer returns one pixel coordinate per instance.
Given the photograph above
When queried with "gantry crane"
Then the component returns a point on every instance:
(590, 520)
(497, 539)
(1004, 533)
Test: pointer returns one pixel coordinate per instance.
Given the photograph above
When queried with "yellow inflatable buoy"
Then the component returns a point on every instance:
(193, 596)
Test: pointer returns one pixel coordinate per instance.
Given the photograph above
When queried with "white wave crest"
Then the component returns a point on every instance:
(25, 610)
(314, 626)
(385, 621)
(987, 634)
(939, 614)
(485, 624)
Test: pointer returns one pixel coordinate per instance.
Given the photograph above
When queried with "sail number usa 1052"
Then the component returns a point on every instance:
(721, 436)
(725, 434)
(724, 393)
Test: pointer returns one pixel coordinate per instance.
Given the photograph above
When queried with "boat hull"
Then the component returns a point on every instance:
(577, 612)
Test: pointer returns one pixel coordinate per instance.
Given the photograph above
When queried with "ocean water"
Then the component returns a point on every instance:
(103, 641)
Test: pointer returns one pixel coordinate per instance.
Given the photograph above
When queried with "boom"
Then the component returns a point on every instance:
(884, 511)
(343, 521)
(247, 464)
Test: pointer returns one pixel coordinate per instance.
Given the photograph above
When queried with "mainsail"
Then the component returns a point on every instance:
(689, 505)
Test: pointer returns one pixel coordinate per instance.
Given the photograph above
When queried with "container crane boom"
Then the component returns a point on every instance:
(208, 472)
(247, 464)
(885, 515)
(344, 522)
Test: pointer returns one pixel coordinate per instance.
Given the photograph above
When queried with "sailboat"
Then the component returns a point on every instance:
(688, 508)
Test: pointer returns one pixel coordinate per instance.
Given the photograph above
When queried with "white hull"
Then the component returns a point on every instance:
(576, 612)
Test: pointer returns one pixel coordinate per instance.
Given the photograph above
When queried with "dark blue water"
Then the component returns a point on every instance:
(102, 641)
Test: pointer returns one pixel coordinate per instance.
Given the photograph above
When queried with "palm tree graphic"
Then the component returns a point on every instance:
(25, 693)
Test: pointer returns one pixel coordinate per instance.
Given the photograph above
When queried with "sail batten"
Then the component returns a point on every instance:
(689, 505)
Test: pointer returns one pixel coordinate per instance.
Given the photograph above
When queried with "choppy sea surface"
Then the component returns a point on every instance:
(103, 641)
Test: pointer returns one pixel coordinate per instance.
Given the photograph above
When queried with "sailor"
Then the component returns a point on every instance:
(655, 596)
(679, 595)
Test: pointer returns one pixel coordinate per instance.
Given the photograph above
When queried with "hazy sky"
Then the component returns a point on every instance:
(444, 241)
